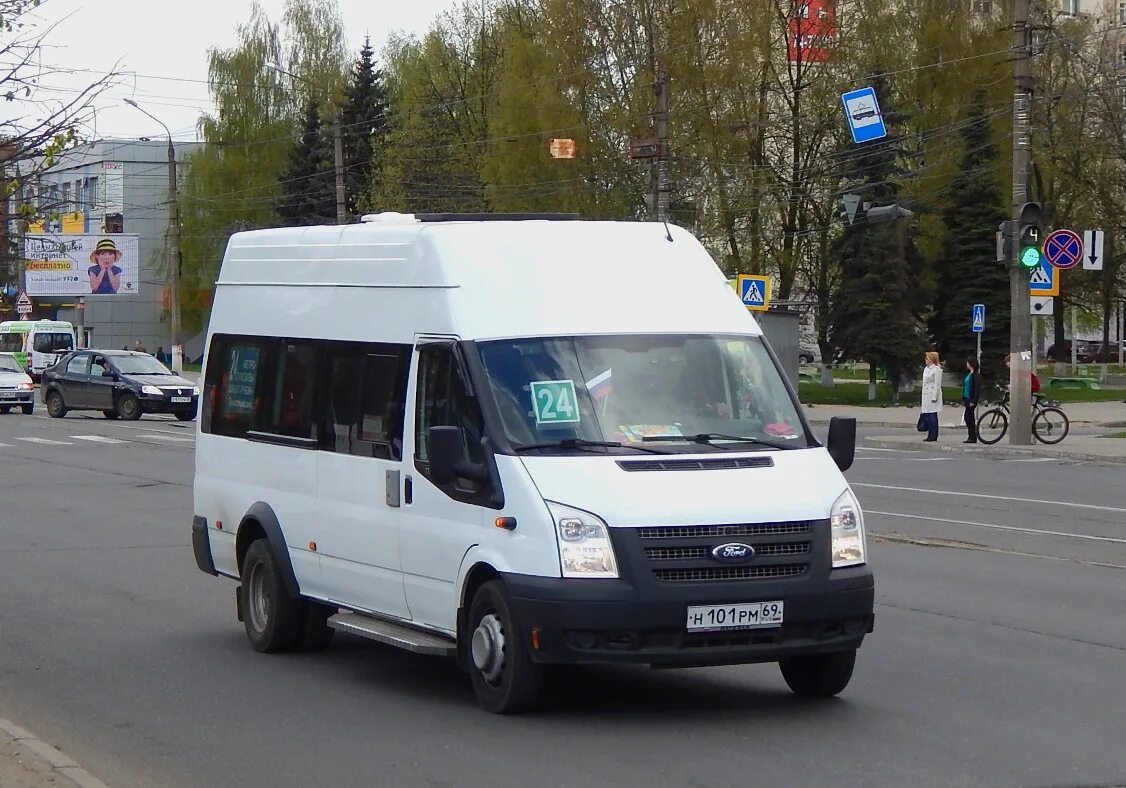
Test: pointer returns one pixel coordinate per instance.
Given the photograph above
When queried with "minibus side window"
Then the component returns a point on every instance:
(443, 400)
(366, 399)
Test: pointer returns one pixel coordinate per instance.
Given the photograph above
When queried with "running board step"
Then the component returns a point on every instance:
(393, 634)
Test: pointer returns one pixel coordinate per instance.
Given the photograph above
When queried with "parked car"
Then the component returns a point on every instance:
(1085, 351)
(808, 353)
(120, 383)
(16, 387)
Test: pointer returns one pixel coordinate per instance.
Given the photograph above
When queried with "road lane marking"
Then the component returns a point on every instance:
(1091, 506)
(1036, 459)
(46, 441)
(166, 437)
(906, 459)
(97, 439)
(996, 527)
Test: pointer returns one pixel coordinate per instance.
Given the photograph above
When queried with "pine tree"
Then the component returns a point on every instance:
(877, 312)
(968, 267)
(363, 121)
(307, 183)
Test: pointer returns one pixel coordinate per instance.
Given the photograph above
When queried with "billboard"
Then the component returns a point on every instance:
(78, 265)
(813, 31)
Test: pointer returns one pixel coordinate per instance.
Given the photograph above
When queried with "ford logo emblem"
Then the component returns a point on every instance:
(733, 553)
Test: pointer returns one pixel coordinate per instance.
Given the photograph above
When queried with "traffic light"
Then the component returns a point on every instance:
(1031, 234)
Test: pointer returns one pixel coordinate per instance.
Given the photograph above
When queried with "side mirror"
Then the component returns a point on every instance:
(447, 460)
(842, 441)
(108, 373)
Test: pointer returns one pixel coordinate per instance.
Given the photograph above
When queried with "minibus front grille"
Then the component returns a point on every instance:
(728, 573)
(702, 552)
(723, 531)
(709, 464)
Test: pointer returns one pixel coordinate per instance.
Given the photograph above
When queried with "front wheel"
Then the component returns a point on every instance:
(992, 426)
(129, 407)
(56, 408)
(819, 675)
(272, 617)
(28, 409)
(5, 408)
(1050, 426)
(185, 416)
(504, 677)
(110, 414)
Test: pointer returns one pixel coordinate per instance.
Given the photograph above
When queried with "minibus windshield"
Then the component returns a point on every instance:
(682, 393)
(11, 343)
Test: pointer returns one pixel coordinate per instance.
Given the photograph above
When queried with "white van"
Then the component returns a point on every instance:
(519, 442)
(37, 344)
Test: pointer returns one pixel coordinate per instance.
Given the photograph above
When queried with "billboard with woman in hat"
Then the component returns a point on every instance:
(76, 265)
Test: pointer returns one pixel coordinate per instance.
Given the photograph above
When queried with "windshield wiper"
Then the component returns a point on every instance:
(582, 443)
(708, 438)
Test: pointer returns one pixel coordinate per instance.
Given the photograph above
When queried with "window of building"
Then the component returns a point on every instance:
(1122, 13)
(1069, 6)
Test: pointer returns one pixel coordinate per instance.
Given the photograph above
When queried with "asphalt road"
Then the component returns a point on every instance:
(998, 658)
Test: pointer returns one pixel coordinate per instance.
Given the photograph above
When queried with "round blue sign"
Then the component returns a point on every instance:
(1063, 249)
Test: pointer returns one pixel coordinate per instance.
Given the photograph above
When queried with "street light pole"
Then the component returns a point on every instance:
(173, 246)
(337, 144)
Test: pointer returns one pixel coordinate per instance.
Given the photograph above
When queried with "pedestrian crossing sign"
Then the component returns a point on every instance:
(1044, 280)
(754, 291)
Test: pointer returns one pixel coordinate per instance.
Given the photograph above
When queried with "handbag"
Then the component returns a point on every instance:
(922, 425)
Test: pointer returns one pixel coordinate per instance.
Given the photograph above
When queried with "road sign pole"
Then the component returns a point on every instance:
(1020, 331)
(979, 348)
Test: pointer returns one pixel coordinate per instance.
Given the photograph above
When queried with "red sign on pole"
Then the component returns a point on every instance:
(813, 31)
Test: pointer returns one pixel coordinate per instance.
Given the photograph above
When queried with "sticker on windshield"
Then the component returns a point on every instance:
(638, 432)
(554, 401)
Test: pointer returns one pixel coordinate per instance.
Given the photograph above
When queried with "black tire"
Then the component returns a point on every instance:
(272, 617)
(992, 426)
(1050, 426)
(110, 414)
(129, 407)
(315, 634)
(56, 408)
(505, 679)
(819, 675)
(28, 409)
(185, 416)
(805, 358)
(5, 408)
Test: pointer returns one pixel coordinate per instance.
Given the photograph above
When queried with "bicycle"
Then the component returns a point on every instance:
(1050, 424)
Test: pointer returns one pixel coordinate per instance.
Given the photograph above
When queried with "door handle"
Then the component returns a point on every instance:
(408, 490)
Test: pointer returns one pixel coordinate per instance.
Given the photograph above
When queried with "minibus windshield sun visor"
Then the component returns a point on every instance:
(693, 393)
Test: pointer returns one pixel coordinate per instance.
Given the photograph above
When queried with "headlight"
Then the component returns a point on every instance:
(584, 543)
(27, 386)
(153, 390)
(847, 527)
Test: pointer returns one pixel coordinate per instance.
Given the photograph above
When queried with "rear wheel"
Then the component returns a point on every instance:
(992, 426)
(819, 675)
(28, 409)
(56, 408)
(504, 677)
(129, 407)
(110, 414)
(1050, 425)
(271, 616)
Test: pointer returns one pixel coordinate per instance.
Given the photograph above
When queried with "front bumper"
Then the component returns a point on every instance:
(14, 398)
(151, 403)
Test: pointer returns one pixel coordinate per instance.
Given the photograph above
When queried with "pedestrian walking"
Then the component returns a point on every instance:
(932, 396)
(971, 393)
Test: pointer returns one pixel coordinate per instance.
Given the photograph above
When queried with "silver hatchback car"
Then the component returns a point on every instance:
(16, 387)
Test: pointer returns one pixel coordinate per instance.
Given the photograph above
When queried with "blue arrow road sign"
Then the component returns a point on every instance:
(978, 320)
(862, 111)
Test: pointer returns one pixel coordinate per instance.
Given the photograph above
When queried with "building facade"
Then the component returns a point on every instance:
(114, 189)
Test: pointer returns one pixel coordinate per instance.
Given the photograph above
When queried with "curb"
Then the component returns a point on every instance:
(60, 763)
(993, 451)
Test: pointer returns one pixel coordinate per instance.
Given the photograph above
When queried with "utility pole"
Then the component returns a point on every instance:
(338, 155)
(1020, 333)
(173, 246)
(661, 200)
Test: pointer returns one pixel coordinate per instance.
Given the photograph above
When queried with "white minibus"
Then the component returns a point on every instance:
(37, 344)
(519, 441)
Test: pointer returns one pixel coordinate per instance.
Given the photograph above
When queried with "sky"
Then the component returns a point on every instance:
(162, 47)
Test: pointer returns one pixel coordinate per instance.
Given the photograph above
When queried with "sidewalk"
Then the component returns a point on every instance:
(1075, 448)
(1080, 414)
(28, 762)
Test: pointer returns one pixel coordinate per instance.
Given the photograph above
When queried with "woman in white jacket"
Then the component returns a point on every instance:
(932, 396)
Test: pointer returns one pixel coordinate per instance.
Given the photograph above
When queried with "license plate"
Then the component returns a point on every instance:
(747, 615)
(9, 395)
(181, 399)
